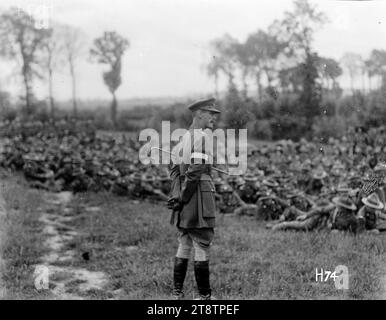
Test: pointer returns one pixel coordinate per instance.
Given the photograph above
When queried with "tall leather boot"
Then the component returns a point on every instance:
(179, 273)
(201, 272)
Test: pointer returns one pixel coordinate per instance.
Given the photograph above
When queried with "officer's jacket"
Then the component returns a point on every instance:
(193, 185)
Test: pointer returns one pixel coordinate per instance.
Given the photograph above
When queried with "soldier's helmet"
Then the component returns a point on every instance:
(270, 183)
(148, 178)
(250, 178)
(373, 201)
(163, 177)
(217, 183)
(123, 181)
(319, 174)
(232, 179)
(78, 172)
(102, 173)
(76, 161)
(345, 202)
(136, 177)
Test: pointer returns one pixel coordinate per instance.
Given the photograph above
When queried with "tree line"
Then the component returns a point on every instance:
(40, 52)
(282, 62)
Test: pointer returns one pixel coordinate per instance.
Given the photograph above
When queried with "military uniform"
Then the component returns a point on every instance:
(194, 207)
(344, 216)
(317, 218)
(196, 190)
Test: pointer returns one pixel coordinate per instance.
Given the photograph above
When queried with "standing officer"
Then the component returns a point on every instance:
(193, 201)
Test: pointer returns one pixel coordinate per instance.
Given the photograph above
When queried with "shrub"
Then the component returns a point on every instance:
(266, 109)
(236, 114)
(289, 127)
(325, 127)
(260, 129)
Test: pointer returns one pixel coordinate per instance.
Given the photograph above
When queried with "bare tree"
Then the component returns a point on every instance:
(74, 44)
(224, 51)
(22, 41)
(53, 48)
(377, 62)
(109, 50)
(263, 52)
(352, 62)
(244, 62)
(213, 70)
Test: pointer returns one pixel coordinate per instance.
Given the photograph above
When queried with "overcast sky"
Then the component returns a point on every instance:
(169, 38)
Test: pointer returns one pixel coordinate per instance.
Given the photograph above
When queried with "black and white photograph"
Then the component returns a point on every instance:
(195, 150)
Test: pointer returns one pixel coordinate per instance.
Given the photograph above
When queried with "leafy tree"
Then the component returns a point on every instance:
(109, 50)
(22, 41)
(378, 65)
(290, 79)
(297, 30)
(298, 27)
(310, 97)
(236, 113)
(224, 52)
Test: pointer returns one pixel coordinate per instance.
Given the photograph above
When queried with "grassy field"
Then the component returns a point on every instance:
(22, 238)
(134, 245)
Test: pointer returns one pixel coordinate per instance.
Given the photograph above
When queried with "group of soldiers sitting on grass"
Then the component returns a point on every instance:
(337, 184)
(70, 156)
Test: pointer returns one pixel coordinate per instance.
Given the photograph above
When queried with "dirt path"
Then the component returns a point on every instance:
(65, 281)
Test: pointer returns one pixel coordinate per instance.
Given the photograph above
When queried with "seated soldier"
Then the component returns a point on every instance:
(135, 190)
(370, 216)
(338, 216)
(158, 193)
(270, 185)
(300, 201)
(270, 207)
(248, 190)
(316, 218)
(120, 186)
(64, 174)
(80, 182)
(230, 199)
(344, 215)
(316, 183)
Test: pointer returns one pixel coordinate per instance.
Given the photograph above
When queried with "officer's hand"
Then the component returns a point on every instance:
(171, 202)
(174, 204)
(178, 206)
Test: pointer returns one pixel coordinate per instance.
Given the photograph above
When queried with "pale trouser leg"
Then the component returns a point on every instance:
(185, 246)
(201, 251)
